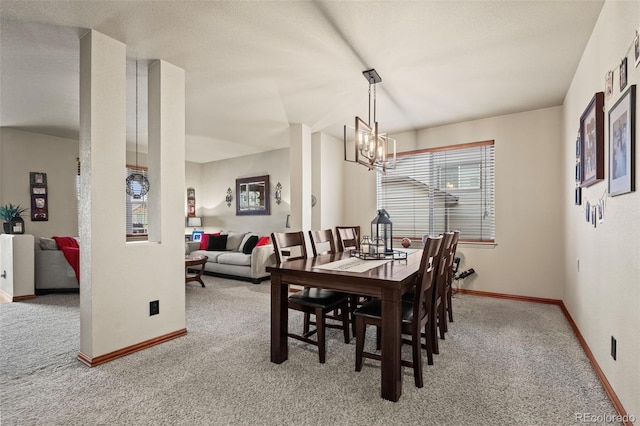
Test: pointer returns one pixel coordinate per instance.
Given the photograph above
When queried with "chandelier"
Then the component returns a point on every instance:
(372, 149)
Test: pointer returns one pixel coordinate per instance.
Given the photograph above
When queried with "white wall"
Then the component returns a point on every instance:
(328, 178)
(217, 176)
(527, 259)
(119, 279)
(603, 296)
(24, 152)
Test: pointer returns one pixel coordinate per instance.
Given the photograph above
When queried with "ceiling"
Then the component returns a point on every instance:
(254, 67)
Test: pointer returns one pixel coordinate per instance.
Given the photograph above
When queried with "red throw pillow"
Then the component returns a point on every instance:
(204, 241)
(263, 241)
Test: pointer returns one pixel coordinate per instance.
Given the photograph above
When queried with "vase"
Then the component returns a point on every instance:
(6, 227)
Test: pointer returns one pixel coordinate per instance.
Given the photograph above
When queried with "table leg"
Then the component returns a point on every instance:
(391, 345)
(279, 319)
(199, 276)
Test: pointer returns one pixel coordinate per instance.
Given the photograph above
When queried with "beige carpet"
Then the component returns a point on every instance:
(503, 362)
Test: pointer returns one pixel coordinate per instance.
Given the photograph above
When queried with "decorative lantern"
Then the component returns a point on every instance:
(382, 228)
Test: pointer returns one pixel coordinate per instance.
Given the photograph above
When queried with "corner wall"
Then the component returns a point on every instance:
(603, 295)
(24, 152)
(527, 257)
(217, 176)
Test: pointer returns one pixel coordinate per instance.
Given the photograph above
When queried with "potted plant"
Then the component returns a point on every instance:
(12, 218)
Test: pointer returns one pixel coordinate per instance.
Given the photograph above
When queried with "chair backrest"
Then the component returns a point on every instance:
(443, 264)
(348, 237)
(284, 242)
(423, 296)
(452, 255)
(322, 242)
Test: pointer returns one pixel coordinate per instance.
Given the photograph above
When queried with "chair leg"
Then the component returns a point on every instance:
(434, 332)
(442, 320)
(378, 338)
(360, 335)
(428, 343)
(322, 348)
(346, 322)
(449, 308)
(307, 320)
(353, 304)
(417, 358)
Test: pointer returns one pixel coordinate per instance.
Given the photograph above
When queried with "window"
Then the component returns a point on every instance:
(442, 189)
(137, 207)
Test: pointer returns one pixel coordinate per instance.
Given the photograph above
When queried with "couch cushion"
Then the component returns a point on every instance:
(263, 241)
(245, 239)
(239, 259)
(48, 244)
(217, 243)
(204, 240)
(212, 255)
(234, 239)
(248, 247)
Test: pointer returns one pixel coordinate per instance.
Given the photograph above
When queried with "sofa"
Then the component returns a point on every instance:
(230, 255)
(53, 273)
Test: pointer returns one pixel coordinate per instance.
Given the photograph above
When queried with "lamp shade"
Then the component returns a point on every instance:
(194, 221)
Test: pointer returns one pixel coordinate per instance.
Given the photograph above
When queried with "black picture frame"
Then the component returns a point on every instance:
(252, 196)
(623, 74)
(592, 142)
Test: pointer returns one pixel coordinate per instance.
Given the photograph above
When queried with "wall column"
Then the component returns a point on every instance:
(119, 279)
(300, 166)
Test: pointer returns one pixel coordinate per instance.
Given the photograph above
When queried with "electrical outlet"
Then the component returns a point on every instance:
(614, 345)
(154, 307)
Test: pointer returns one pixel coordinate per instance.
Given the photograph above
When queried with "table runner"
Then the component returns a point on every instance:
(353, 264)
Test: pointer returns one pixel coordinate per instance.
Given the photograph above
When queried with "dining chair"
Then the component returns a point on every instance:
(322, 243)
(322, 240)
(291, 246)
(439, 300)
(348, 237)
(448, 287)
(416, 314)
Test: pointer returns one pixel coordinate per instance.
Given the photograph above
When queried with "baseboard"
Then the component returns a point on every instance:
(236, 277)
(4, 297)
(603, 379)
(510, 296)
(92, 362)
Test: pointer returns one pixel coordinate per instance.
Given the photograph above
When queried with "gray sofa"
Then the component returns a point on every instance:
(233, 263)
(52, 271)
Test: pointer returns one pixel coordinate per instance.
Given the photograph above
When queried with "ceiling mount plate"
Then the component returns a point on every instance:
(372, 76)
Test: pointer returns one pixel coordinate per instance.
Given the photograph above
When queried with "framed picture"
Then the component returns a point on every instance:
(623, 74)
(252, 196)
(592, 142)
(609, 84)
(196, 235)
(578, 196)
(39, 197)
(622, 144)
(636, 44)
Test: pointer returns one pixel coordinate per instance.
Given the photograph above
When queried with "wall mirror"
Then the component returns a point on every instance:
(252, 196)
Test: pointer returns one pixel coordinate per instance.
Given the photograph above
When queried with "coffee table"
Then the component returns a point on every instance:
(194, 261)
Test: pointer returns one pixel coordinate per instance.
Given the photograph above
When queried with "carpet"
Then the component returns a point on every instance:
(503, 362)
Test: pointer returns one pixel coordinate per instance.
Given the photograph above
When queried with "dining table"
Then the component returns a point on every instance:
(386, 279)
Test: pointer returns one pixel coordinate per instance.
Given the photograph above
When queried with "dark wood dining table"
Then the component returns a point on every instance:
(388, 282)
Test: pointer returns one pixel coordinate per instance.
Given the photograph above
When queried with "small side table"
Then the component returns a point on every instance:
(194, 261)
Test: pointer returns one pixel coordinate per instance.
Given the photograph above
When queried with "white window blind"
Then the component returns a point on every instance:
(442, 189)
(137, 208)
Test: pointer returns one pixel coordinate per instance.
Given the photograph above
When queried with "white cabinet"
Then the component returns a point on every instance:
(16, 266)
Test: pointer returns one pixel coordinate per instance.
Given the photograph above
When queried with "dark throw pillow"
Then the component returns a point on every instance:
(250, 244)
(217, 243)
